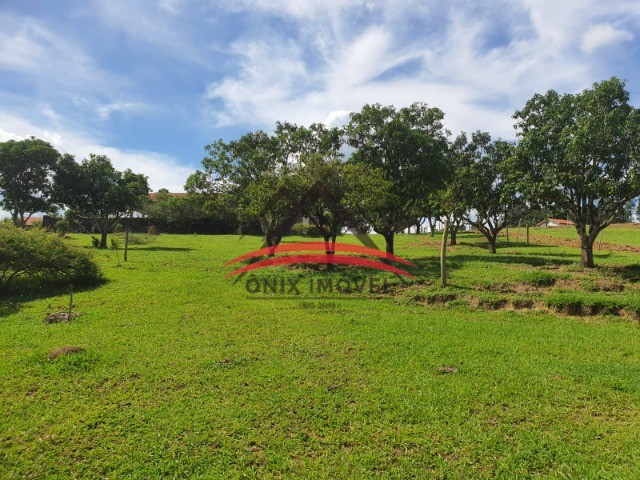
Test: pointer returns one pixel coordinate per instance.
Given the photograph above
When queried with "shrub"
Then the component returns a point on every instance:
(95, 241)
(305, 230)
(62, 227)
(35, 257)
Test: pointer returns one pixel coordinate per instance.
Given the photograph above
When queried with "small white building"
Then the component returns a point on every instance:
(555, 222)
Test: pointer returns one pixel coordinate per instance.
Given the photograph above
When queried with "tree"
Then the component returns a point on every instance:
(370, 199)
(484, 189)
(451, 201)
(94, 189)
(581, 153)
(181, 213)
(261, 174)
(327, 209)
(407, 147)
(26, 167)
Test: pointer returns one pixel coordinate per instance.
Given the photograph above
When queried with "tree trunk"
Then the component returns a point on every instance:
(492, 245)
(388, 237)
(586, 258)
(103, 239)
(454, 235)
(432, 227)
(527, 234)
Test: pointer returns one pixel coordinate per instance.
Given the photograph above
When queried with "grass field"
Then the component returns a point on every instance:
(627, 234)
(187, 375)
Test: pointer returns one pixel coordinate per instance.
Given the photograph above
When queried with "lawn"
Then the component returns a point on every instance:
(624, 234)
(186, 374)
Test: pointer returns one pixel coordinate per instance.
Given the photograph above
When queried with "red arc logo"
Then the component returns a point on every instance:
(324, 258)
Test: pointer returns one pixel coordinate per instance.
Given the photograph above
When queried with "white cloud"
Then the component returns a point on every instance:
(337, 118)
(163, 171)
(603, 35)
(479, 63)
(47, 59)
(105, 111)
(476, 73)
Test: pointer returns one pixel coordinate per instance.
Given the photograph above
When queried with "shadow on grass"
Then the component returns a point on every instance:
(456, 261)
(630, 273)
(161, 249)
(18, 294)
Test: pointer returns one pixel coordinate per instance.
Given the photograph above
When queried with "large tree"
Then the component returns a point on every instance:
(94, 189)
(581, 153)
(26, 168)
(484, 188)
(262, 174)
(327, 208)
(408, 147)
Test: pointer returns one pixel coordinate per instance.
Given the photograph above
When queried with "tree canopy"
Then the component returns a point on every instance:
(26, 187)
(408, 147)
(95, 189)
(581, 153)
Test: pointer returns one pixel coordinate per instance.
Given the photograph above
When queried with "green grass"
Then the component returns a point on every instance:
(627, 234)
(186, 375)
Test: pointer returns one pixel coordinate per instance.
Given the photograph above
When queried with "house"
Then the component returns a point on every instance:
(555, 222)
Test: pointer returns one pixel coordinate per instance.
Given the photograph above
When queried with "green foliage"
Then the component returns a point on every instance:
(180, 213)
(95, 189)
(260, 174)
(62, 227)
(483, 188)
(26, 167)
(95, 242)
(327, 209)
(407, 147)
(31, 257)
(305, 230)
(580, 153)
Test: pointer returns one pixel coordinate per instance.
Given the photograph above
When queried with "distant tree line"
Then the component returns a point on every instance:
(576, 156)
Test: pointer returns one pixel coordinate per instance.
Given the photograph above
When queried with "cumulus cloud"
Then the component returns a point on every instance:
(337, 118)
(603, 35)
(478, 80)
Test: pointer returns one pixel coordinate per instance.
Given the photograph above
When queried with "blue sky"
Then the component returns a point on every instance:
(149, 83)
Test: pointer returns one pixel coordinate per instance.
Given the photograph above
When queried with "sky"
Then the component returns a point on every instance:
(150, 83)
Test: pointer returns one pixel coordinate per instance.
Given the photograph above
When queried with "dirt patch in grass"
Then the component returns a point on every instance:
(539, 239)
(61, 317)
(64, 351)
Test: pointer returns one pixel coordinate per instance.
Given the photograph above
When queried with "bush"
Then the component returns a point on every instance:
(305, 230)
(30, 258)
(62, 227)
